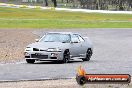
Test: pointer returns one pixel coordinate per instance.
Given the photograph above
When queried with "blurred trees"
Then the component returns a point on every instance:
(106, 4)
(86, 4)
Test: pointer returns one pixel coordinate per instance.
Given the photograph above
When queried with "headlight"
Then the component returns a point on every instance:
(53, 50)
(26, 54)
(28, 49)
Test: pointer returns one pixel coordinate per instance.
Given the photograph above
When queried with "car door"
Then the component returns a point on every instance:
(83, 45)
(75, 45)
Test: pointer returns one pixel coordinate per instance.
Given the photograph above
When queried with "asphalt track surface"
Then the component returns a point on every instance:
(112, 54)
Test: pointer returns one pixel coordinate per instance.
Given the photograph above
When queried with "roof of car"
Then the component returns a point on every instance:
(63, 32)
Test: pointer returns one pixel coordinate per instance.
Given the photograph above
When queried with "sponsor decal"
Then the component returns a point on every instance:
(83, 78)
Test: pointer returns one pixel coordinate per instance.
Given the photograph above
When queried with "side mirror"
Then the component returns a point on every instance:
(37, 40)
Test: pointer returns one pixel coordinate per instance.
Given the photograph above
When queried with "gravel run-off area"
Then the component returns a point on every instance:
(13, 43)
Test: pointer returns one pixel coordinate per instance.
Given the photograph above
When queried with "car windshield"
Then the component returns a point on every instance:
(56, 37)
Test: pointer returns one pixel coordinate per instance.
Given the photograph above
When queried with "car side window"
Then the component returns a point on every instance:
(80, 38)
(75, 38)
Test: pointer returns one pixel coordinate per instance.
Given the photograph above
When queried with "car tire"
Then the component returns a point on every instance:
(88, 55)
(30, 61)
(66, 56)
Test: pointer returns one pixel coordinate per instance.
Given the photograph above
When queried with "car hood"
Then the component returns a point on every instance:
(46, 45)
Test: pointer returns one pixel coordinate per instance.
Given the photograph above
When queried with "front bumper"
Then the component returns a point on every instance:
(43, 55)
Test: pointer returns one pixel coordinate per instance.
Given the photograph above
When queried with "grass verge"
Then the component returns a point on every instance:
(37, 18)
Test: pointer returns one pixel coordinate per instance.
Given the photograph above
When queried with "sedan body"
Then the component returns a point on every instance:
(59, 46)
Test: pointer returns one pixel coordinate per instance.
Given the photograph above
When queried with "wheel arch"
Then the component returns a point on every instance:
(66, 50)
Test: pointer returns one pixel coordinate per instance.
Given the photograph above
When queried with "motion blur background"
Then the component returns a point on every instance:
(114, 5)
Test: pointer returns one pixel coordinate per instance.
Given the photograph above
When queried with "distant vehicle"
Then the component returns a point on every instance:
(59, 46)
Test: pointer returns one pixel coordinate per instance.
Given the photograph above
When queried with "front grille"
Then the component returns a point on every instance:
(42, 50)
(27, 56)
(35, 49)
(40, 56)
(53, 57)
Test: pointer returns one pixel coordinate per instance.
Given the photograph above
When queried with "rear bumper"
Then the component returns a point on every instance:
(43, 55)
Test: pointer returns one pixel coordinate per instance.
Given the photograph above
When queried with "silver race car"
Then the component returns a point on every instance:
(59, 46)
